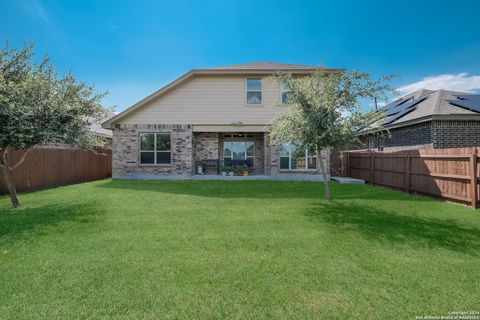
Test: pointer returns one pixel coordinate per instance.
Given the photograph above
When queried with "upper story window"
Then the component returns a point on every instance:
(254, 91)
(285, 93)
(155, 148)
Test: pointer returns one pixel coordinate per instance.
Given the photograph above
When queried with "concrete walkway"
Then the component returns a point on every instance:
(348, 180)
(278, 177)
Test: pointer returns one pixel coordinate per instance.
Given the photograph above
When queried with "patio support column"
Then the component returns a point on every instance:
(267, 154)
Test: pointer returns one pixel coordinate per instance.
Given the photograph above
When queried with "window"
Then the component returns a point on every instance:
(155, 148)
(254, 91)
(285, 94)
(292, 158)
(238, 152)
(381, 143)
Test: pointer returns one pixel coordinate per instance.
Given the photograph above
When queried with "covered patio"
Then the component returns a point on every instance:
(214, 150)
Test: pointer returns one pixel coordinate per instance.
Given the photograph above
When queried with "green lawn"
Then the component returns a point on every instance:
(235, 249)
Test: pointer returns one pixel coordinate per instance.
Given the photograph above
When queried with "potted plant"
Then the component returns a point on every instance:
(245, 171)
(240, 170)
(224, 170)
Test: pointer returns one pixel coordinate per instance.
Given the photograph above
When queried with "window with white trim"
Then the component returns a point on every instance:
(239, 148)
(155, 148)
(292, 158)
(254, 91)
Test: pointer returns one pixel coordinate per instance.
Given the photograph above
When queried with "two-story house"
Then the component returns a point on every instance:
(217, 115)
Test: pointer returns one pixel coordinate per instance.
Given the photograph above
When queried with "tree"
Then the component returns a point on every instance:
(38, 107)
(323, 111)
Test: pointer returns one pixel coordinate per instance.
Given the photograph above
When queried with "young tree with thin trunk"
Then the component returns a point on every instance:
(323, 111)
(38, 107)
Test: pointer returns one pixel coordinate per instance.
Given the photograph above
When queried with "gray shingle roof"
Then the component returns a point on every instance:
(96, 124)
(431, 103)
(265, 66)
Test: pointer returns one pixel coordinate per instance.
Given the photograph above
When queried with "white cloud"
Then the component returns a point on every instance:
(455, 82)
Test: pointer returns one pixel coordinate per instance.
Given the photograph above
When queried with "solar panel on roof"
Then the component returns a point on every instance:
(404, 106)
(398, 115)
(404, 101)
(401, 110)
(394, 104)
(470, 104)
(475, 97)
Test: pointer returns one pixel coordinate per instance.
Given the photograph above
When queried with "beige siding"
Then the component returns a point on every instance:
(209, 100)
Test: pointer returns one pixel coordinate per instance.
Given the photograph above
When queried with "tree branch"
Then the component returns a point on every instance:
(21, 159)
(3, 163)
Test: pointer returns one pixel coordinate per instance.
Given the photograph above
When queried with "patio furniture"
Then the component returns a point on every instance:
(209, 163)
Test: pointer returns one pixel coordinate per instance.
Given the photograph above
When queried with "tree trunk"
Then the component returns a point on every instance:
(326, 186)
(12, 192)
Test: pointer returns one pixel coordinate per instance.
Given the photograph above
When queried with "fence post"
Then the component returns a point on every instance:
(346, 164)
(372, 169)
(474, 180)
(407, 173)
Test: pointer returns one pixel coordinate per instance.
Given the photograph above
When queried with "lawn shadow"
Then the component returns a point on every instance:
(258, 189)
(29, 222)
(386, 226)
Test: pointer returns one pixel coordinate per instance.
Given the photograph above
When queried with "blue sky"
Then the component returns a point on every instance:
(133, 48)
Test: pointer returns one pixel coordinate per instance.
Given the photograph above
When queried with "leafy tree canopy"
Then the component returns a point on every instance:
(37, 107)
(323, 111)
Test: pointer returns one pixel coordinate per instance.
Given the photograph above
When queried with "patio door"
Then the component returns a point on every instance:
(238, 149)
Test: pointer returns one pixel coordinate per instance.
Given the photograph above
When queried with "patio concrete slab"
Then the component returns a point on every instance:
(278, 177)
(348, 180)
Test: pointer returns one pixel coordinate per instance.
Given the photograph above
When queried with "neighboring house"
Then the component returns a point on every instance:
(217, 116)
(430, 119)
(95, 128)
(96, 125)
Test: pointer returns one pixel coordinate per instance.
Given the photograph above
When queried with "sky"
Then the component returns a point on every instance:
(132, 48)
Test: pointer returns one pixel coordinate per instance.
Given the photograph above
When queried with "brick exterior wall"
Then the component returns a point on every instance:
(433, 134)
(419, 134)
(274, 149)
(456, 134)
(408, 136)
(259, 154)
(187, 148)
(125, 156)
(206, 146)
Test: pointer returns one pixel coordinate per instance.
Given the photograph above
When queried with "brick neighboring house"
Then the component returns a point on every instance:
(430, 119)
(216, 116)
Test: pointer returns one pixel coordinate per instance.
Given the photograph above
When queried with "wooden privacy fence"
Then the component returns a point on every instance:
(48, 167)
(447, 173)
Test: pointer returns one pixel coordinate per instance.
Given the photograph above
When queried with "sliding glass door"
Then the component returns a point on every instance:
(238, 152)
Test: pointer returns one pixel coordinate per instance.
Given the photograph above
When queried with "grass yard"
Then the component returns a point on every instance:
(235, 249)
